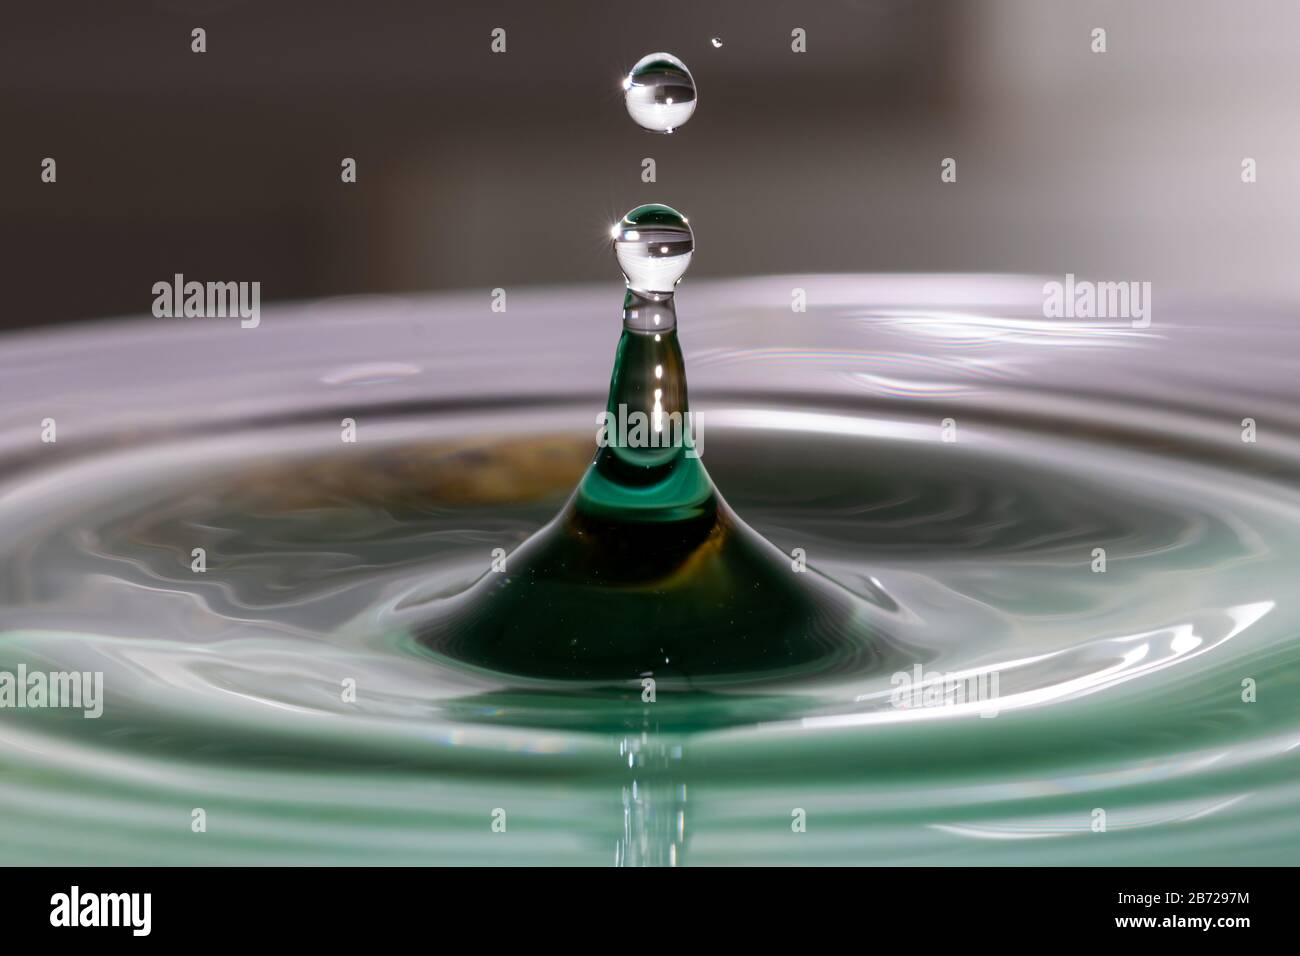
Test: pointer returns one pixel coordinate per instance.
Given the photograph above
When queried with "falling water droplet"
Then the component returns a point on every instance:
(653, 244)
(660, 92)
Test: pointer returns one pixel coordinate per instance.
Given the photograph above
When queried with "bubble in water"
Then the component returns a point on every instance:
(653, 244)
(660, 92)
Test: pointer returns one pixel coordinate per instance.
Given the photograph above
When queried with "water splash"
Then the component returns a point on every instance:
(646, 572)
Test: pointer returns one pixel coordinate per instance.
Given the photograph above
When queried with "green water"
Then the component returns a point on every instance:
(349, 680)
(1119, 692)
(647, 573)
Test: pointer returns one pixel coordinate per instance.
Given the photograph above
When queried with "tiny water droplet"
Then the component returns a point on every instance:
(653, 244)
(659, 92)
(717, 42)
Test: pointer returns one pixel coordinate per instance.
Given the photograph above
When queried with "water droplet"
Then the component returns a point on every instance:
(660, 92)
(653, 244)
(717, 43)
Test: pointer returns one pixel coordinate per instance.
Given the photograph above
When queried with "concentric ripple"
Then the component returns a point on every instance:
(280, 691)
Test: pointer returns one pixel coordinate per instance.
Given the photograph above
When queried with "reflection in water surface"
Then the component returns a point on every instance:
(1119, 690)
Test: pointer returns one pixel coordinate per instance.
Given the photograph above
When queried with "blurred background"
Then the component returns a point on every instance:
(478, 170)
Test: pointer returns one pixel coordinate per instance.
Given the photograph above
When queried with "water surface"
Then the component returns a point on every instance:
(1118, 691)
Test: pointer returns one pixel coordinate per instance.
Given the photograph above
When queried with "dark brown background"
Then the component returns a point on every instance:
(482, 170)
